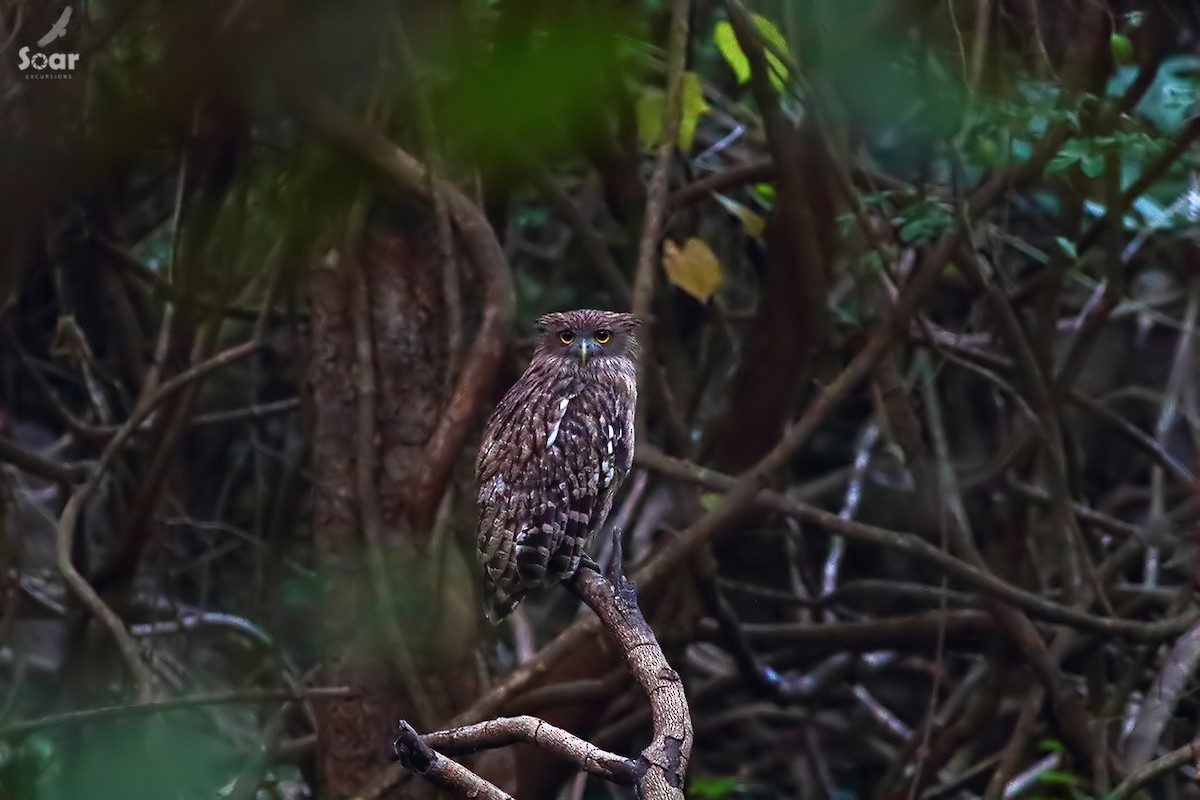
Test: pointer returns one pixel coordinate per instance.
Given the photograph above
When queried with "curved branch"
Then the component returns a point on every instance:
(1188, 754)
(499, 297)
(539, 733)
(417, 756)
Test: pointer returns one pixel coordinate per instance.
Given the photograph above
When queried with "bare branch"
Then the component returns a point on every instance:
(658, 772)
(615, 603)
(656, 195)
(417, 756)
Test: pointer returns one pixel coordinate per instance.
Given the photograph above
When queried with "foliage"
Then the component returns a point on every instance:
(731, 51)
(1028, 436)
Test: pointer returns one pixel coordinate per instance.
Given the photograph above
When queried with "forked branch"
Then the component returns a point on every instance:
(658, 773)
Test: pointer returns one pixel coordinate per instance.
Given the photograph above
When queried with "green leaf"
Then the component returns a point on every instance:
(986, 150)
(727, 43)
(176, 754)
(912, 231)
(1067, 246)
(692, 106)
(771, 33)
(1121, 48)
(846, 224)
(1092, 165)
(709, 501)
(1061, 163)
(1076, 148)
(713, 788)
(1059, 777)
(525, 92)
(651, 107)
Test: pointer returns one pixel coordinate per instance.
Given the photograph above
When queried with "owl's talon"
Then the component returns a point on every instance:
(587, 561)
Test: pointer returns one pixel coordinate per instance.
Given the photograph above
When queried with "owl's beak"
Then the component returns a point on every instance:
(583, 352)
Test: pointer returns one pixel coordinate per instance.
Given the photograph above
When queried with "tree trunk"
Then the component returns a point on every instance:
(428, 583)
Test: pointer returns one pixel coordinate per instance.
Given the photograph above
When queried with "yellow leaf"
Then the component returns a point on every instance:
(693, 105)
(652, 105)
(694, 268)
(727, 44)
(771, 33)
(752, 222)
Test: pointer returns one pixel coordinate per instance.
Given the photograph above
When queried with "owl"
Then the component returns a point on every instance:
(554, 452)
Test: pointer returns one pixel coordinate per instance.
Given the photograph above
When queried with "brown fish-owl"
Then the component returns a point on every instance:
(554, 452)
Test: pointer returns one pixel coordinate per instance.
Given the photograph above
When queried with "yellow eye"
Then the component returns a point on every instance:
(602, 337)
(566, 337)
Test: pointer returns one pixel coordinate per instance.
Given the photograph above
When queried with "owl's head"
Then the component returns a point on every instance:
(588, 338)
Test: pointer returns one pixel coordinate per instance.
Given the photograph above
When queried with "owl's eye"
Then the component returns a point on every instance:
(566, 337)
(602, 337)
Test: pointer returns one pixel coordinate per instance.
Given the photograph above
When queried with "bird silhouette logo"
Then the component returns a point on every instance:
(57, 30)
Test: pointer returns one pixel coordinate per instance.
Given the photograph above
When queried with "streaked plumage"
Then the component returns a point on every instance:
(554, 452)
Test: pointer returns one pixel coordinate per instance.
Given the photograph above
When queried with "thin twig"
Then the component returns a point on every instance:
(170, 704)
(656, 196)
(36, 464)
(143, 678)
(909, 543)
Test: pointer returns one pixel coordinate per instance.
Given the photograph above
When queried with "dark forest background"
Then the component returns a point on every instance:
(913, 505)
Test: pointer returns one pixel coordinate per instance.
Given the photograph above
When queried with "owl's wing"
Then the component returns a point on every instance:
(523, 499)
(546, 547)
(502, 501)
